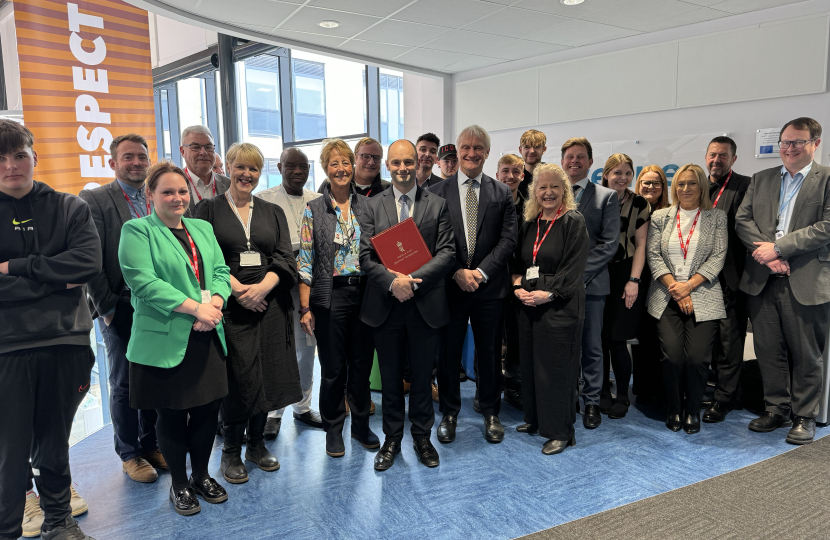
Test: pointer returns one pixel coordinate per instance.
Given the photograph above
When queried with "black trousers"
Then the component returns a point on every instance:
(728, 350)
(346, 353)
(187, 430)
(687, 352)
(40, 391)
(405, 331)
(615, 354)
(780, 325)
(486, 317)
(134, 431)
(512, 365)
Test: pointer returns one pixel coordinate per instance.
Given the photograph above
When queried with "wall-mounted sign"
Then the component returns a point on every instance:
(766, 142)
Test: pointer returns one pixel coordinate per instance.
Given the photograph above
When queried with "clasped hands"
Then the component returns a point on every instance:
(251, 296)
(765, 254)
(402, 286)
(208, 315)
(680, 292)
(532, 298)
(468, 280)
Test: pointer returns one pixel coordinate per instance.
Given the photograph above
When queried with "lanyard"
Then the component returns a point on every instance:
(131, 204)
(348, 231)
(579, 195)
(783, 204)
(685, 249)
(721, 190)
(195, 262)
(537, 244)
(246, 228)
(212, 183)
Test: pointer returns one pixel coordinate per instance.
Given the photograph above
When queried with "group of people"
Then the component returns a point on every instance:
(213, 296)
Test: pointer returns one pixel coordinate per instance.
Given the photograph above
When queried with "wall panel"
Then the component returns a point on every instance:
(498, 102)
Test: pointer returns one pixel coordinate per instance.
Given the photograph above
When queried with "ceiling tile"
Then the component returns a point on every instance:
(431, 59)
(462, 41)
(557, 8)
(383, 51)
(576, 33)
(403, 33)
(376, 8)
(248, 11)
(307, 18)
(453, 13)
(703, 2)
(472, 62)
(689, 17)
(744, 6)
(514, 22)
(304, 37)
(637, 14)
(522, 48)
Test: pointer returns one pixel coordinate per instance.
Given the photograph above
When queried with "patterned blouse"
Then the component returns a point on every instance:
(634, 213)
(346, 261)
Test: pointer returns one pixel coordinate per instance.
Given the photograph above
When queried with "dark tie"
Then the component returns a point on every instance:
(404, 207)
(471, 204)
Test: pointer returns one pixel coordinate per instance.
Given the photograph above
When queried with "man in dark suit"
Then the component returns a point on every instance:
(485, 229)
(601, 210)
(198, 151)
(113, 205)
(406, 313)
(368, 155)
(784, 221)
(427, 146)
(726, 191)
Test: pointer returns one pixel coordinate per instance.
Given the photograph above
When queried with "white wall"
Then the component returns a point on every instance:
(171, 40)
(10, 66)
(424, 107)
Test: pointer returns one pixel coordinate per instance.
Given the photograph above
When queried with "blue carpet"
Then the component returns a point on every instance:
(479, 490)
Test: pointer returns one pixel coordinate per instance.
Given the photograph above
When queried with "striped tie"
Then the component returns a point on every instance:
(472, 217)
(404, 208)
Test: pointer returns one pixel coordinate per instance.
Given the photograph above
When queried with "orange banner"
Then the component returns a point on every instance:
(86, 77)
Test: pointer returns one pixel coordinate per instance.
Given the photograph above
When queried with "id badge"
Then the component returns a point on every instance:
(249, 258)
(532, 273)
(779, 235)
(206, 297)
(338, 238)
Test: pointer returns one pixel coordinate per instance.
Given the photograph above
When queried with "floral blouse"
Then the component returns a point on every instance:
(346, 260)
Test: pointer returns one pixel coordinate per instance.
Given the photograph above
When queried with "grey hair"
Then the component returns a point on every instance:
(197, 129)
(475, 131)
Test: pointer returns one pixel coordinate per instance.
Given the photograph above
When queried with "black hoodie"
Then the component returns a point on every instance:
(49, 240)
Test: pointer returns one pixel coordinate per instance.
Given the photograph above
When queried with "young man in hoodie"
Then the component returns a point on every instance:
(50, 248)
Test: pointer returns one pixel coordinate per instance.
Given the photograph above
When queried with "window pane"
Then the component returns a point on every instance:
(192, 106)
(391, 106)
(316, 174)
(165, 125)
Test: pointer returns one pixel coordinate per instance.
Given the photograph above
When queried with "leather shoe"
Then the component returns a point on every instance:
(140, 470)
(514, 398)
(591, 419)
(803, 431)
(334, 444)
(605, 404)
(673, 421)
(385, 457)
(406, 387)
(370, 440)
(264, 459)
(446, 429)
(691, 424)
(311, 418)
(716, 412)
(184, 501)
(233, 468)
(435, 397)
(272, 428)
(426, 452)
(618, 410)
(527, 428)
(493, 430)
(209, 489)
(769, 422)
(371, 408)
(557, 447)
(156, 459)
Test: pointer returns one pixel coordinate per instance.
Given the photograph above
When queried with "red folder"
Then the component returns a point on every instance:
(401, 247)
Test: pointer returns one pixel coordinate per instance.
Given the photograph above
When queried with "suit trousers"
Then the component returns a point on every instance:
(687, 352)
(346, 358)
(592, 349)
(781, 325)
(728, 350)
(405, 331)
(512, 360)
(40, 391)
(305, 362)
(486, 317)
(134, 431)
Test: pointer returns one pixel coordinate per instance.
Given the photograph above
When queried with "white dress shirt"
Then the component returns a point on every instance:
(205, 190)
(792, 186)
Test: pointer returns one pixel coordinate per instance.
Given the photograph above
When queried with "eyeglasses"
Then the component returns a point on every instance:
(799, 144)
(370, 157)
(209, 148)
(651, 184)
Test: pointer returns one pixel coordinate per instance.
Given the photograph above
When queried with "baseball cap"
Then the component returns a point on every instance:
(447, 150)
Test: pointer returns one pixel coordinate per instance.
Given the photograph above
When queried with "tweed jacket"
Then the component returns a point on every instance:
(708, 260)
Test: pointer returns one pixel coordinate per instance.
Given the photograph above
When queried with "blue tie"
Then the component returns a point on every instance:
(404, 207)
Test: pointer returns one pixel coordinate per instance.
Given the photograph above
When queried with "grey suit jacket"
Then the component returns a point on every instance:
(806, 246)
(708, 260)
(223, 183)
(110, 211)
(600, 207)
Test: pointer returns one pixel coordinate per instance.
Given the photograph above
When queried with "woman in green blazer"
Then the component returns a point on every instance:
(179, 282)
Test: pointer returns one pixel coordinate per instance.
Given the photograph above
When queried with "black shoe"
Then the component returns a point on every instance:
(446, 429)
(334, 444)
(803, 431)
(264, 459)
(184, 502)
(514, 398)
(591, 419)
(370, 440)
(673, 421)
(70, 530)
(557, 447)
(691, 424)
(233, 468)
(618, 410)
(605, 404)
(426, 452)
(769, 422)
(209, 489)
(706, 403)
(462, 375)
(716, 413)
(493, 430)
(311, 418)
(527, 428)
(272, 428)
(476, 404)
(385, 457)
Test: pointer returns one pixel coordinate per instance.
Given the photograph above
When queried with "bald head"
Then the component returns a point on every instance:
(293, 166)
(401, 160)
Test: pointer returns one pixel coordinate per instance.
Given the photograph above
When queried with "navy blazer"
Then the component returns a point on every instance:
(600, 207)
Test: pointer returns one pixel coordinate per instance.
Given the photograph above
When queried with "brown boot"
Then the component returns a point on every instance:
(371, 408)
(77, 503)
(406, 387)
(139, 470)
(155, 459)
(435, 393)
(32, 516)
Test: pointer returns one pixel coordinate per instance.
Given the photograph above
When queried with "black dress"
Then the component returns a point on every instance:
(262, 362)
(550, 335)
(200, 377)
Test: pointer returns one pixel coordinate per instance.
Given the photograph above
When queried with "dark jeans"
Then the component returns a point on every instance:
(40, 391)
(134, 431)
(187, 430)
(728, 351)
(592, 349)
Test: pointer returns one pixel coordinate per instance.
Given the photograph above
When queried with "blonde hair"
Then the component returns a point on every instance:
(510, 159)
(533, 137)
(614, 161)
(664, 197)
(532, 206)
(330, 145)
(702, 182)
(246, 153)
(368, 140)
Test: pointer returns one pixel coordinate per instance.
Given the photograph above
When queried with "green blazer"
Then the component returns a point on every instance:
(160, 276)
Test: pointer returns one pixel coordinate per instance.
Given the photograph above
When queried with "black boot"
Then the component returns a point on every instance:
(256, 450)
(232, 467)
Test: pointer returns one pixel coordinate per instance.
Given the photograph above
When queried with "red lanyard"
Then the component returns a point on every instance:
(721, 190)
(195, 262)
(369, 193)
(537, 244)
(133, 207)
(685, 249)
(212, 183)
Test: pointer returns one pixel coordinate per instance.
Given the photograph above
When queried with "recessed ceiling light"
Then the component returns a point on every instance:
(328, 24)
(571, 2)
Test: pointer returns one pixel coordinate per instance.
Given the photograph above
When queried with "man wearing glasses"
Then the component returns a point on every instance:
(368, 155)
(784, 221)
(198, 151)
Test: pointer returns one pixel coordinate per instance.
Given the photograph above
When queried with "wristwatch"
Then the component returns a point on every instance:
(303, 311)
(776, 248)
(634, 279)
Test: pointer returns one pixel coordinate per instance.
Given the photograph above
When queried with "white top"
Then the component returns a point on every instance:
(410, 203)
(681, 267)
(292, 205)
(205, 190)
